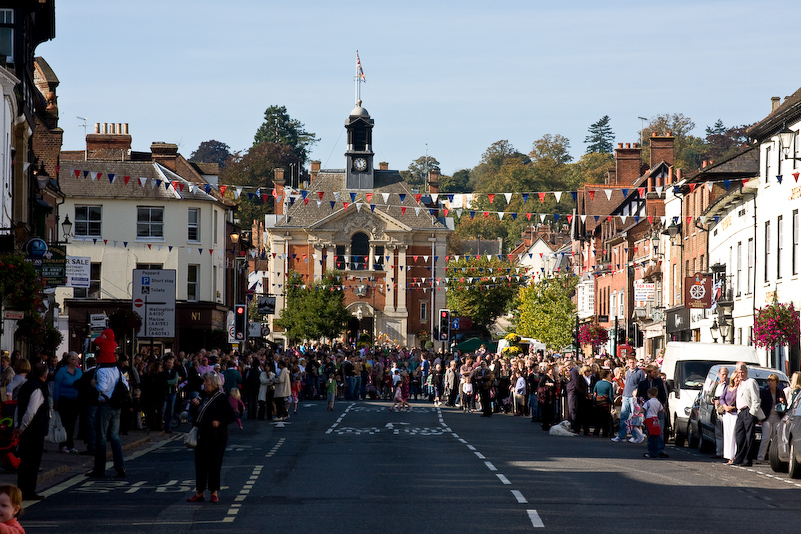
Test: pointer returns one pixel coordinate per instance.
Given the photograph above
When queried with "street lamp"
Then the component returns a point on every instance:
(714, 330)
(66, 228)
(786, 138)
(725, 328)
(42, 178)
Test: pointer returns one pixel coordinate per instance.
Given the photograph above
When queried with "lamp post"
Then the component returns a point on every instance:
(786, 138)
(66, 228)
(714, 330)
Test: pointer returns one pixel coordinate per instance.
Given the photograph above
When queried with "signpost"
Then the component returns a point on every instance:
(154, 301)
(79, 271)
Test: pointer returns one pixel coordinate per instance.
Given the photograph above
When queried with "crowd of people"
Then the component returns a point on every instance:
(606, 396)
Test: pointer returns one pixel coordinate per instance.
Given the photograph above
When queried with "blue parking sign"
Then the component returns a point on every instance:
(455, 324)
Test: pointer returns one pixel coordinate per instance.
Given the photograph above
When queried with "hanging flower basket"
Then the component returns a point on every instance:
(776, 324)
(593, 334)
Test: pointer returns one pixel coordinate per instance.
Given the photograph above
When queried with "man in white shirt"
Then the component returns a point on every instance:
(749, 412)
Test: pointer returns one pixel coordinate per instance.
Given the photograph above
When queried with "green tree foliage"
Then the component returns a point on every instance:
(278, 127)
(724, 142)
(314, 311)
(601, 137)
(417, 174)
(254, 168)
(546, 312)
(689, 150)
(494, 158)
(546, 168)
(481, 289)
(458, 183)
(591, 168)
(211, 152)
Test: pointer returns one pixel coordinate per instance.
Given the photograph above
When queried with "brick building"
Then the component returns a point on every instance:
(365, 222)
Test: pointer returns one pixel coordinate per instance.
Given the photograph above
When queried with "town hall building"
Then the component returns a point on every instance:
(387, 240)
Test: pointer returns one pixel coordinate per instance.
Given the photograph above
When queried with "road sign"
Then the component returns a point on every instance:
(455, 323)
(154, 291)
(97, 320)
(13, 315)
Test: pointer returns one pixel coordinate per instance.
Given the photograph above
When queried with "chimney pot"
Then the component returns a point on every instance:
(383, 166)
(112, 128)
(126, 128)
(620, 145)
(314, 170)
(628, 145)
(775, 102)
(97, 127)
(105, 127)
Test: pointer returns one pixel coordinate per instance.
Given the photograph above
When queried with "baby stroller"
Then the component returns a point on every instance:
(8, 441)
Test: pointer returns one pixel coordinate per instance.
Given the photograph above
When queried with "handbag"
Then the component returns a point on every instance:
(781, 407)
(652, 424)
(56, 433)
(190, 438)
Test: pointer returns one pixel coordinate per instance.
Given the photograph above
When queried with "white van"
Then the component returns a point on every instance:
(686, 365)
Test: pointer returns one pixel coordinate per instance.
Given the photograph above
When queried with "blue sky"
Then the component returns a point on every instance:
(455, 76)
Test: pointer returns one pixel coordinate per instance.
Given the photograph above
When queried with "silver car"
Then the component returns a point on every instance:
(785, 450)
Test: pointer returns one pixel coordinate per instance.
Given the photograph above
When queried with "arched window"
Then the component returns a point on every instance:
(359, 251)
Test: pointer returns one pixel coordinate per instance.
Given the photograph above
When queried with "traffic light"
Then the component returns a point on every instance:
(444, 324)
(240, 322)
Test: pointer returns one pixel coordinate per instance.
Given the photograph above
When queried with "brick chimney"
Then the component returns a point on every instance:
(109, 143)
(164, 154)
(383, 166)
(662, 149)
(314, 171)
(433, 181)
(279, 182)
(627, 164)
(775, 102)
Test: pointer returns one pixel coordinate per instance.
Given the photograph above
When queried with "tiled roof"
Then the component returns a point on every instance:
(156, 177)
(788, 111)
(305, 214)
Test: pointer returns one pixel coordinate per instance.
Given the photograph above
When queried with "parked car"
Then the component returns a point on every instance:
(685, 365)
(785, 451)
(701, 424)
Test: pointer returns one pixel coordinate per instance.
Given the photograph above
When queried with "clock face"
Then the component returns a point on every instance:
(360, 164)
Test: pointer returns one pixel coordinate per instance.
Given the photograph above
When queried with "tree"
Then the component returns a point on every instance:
(458, 183)
(211, 152)
(545, 311)
(254, 169)
(417, 174)
(601, 137)
(724, 142)
(591, 168)
(481, 289)
(279, 128)
(688, 150)
(316, 310)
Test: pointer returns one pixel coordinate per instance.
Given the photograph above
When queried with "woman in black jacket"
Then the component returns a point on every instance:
(212, 413)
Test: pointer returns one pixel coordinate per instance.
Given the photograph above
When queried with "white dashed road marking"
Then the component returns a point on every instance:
(536, 521)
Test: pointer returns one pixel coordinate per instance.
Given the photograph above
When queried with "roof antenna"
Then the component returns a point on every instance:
(86, 149)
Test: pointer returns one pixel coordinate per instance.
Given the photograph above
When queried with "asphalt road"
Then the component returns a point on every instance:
(362, 468)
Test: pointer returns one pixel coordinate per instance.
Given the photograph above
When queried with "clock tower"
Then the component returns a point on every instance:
(359, 170)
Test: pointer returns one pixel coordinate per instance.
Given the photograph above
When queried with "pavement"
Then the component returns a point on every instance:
(55, 465)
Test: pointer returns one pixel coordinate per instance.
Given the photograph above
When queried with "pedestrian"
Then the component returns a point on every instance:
(721, 383)
(65, 398)
(282, 391)
(107, 425)
(728, 401)
(235, 398)
(21, 369)
(634, 376)
(170, 379)
(32, 425)
(331, 391)
(10, 509)
(484, 380)
(211, 414)
(652, 408)
(467, 393)
(451, 382)
(266, 391)
(547, 397)
(774, 404)
(603, 395)
(87, 406)
(749, 411)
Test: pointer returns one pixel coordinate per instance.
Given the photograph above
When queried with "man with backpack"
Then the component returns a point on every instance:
(112, 389)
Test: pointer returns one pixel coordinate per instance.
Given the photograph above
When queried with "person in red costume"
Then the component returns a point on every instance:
(105, 342)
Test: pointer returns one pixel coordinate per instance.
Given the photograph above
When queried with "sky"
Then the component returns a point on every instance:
(447, 78)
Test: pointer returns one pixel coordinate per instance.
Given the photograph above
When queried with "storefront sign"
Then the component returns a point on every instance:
(698, 291)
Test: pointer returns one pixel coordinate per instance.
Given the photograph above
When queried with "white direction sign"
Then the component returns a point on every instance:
(154, 301)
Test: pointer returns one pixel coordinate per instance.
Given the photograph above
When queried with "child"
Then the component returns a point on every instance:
(331, 391)
(467, 393)
(294, 394)
(10, 509)
(235, 399)
(652, 408)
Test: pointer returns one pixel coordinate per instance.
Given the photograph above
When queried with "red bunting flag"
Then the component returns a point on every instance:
(569, 219)
(403, 210)
(542, 197)
(417, 197)
(222, 189)
(486, 214)
(592, 194)
(345, 205)
(641, 192)
(368, 196)
(651, 219)
(795, 175)
(320, 194)
(491, 197)
(445, 211)
(77, 173)
(126, 179)
(528, 216)
(692, 186)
